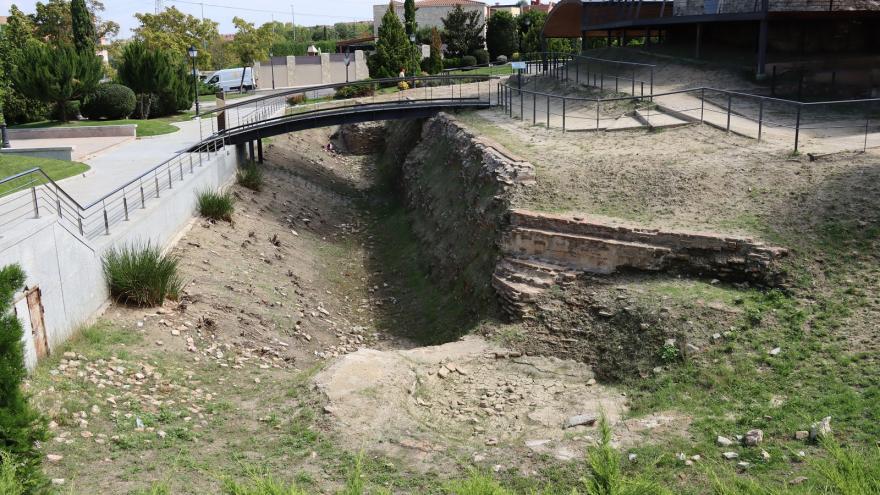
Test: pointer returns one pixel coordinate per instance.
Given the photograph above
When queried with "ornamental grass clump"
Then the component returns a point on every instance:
(250, 176)
(216, 205)
(141, 275)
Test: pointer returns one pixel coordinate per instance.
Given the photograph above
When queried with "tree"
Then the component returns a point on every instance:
(15, 107)
(53, 21)
(501, 34)
(56, 74)
(147, 71)
(84, 35)
(250, 43)
(173, 31)
(21, 427)
(409, 17)
(435, 62)
(393, 51)
(463, 31)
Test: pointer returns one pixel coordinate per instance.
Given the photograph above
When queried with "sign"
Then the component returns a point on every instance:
(518, 65)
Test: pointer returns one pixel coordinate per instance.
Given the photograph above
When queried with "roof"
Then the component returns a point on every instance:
(447, 3)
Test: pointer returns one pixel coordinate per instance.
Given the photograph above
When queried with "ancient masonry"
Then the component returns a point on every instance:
(540, 250)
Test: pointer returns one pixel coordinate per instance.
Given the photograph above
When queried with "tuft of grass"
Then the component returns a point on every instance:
(261, 485)
(9, 483)
(605, 476)
(216, 205)
(250, 176)
(141, 275)
(476, 484)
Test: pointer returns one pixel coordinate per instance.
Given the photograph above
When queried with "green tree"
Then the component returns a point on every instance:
(501, 35)
(174, 32)
(434, 63)
(15, 107)
(409, 17)
(147, 71)
(463, 31)
(531, 34)
(84, 35)
(56, 74)
(21, 427)
(251, 44)
(393, 50)
(53, 21)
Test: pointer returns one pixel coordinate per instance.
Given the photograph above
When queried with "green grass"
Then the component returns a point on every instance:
(216, 205)
(499, 70)
(141, 275)
(145, 128)
(250, 176)
(56, 169)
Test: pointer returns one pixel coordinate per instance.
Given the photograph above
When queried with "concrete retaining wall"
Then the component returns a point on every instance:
(67, 268)
(127, 130)
(56, 153)
(328, 68)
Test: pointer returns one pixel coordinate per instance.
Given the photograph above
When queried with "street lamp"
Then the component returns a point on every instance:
(193, 53)
(412, 40)
(527, 22)
(347, 60)
(272, 65)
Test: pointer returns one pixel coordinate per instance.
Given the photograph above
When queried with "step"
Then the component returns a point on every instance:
(580, 252)
(515, 291)
(625, 123)
(657, 119)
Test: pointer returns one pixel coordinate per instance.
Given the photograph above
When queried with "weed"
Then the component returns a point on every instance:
(476, 484)
(669, 353)
(354, 485)
(9, 483)
(605, 476)
(260, 485)
(216, 205)
(250, 176)
(141, 275)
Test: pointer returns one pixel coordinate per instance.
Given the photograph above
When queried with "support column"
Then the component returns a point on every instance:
(699, 40)
(260, 150)
(240, 154)
(584, 44)
(762, 50)
(251, 150)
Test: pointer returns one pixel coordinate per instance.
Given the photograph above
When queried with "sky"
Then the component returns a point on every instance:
(308, 12)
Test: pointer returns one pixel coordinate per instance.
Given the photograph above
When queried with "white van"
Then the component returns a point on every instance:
(230, 79)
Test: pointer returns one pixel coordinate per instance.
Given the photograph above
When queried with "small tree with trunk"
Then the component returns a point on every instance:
(84, 34)
(21, 427)
(393, 51)
(463, 31)
(56, 74)
(147, 72)
(501, 34)
(435, 62)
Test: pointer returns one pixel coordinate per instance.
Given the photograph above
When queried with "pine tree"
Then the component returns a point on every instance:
(409, 17)
(84, 34)
(393, 51)
(147, 72)
(501, 34)
(21, 427)
(463, 31)
(56, 74)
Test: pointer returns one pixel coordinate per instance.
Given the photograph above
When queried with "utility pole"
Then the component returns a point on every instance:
(293, 21)
(158, 6)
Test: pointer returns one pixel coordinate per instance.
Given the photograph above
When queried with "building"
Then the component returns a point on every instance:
(820, 35)
(518, 8)
(430, 13)
(2, 20)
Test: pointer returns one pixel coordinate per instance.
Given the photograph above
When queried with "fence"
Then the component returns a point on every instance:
(826, 126)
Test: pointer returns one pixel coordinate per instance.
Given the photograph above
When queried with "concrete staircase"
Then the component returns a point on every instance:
(646, 118)
(519, 282)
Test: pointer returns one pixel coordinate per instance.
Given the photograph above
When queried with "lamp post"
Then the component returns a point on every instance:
(412, 41)
(193, 53)
(272, 65)
(347, 60)
(527, 22)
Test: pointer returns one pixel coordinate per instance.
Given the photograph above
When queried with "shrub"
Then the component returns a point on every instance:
(482, 56)
(502, 59)
(403, 85)
(250, 176)
(216, 205)
(21, 427)
(355, 91)
(19, 109)
(70, 111)
(9, 484)
(109, 101)
(296, 99)
(450, 62)
(141, 275)
(468, 61)
(605, 476)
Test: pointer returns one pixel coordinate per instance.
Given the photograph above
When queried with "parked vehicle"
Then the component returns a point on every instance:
(231, 80)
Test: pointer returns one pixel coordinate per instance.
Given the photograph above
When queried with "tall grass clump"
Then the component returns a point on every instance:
(261, 485)
(605, 476)
(141, 275)
(476, 484)
(250, 176)
(216, 205)
(22, 428)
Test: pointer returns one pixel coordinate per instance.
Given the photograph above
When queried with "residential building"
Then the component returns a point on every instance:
(518, 8)
(430, 13)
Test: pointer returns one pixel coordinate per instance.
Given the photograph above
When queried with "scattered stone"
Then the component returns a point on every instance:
(443, 372)
(730, 455)
(797, 481)
(820, 429)
(591, 382)
(54, 457)
(588, 419)
(801, 435)
(161, 434)
(723, 441)
(492, 441)
(765, 455)
(58, 481)
(775, 351)
(633, 457)
(743, 465)
(753, 438)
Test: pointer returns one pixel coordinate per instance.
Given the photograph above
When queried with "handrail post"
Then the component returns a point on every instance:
(534, 108)
(760, 117)
(652, 81)
(58, 202)
(106, 222)
(125, 205)
(143, 199)
(797, 128)
(36, 205)
(867, 124)
(729, 102)
(156, 176)
(170, 185)
(702, 103)
(548, 111)
(522, 114)
(598, 105)
(563, 114)
(79, 222)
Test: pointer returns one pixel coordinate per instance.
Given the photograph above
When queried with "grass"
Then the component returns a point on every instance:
(141, 275)
(56, 169)
(250, 176)
(216, 205)
(145, 128)
(498, 70)
(9, 483)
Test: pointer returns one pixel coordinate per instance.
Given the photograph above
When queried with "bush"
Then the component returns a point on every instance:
(19, 109)
(403, 85)
(468, 61)
(141, 275)
(296, 99)
(109, 101)
(21, 427)
(355, 91)
(502, 59)
(71, 111)
(216, 205)
(482, 56)
(515, 57)
(250, 176)
(207, 89)
(451, 62)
